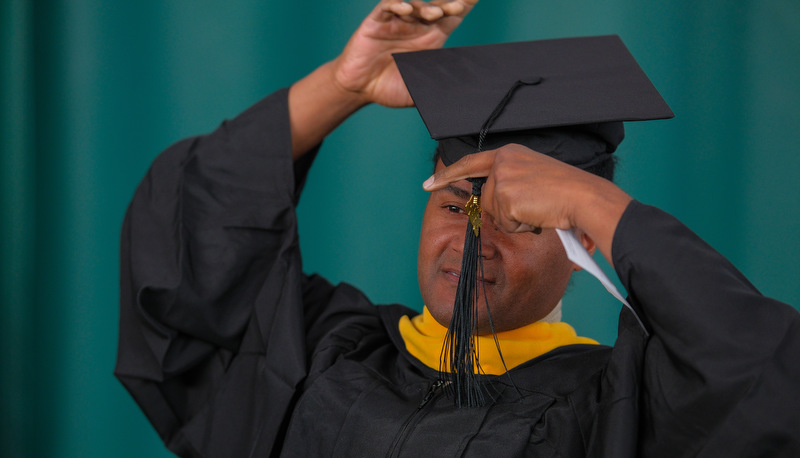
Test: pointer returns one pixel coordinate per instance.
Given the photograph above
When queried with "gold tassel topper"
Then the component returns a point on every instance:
(473, 209)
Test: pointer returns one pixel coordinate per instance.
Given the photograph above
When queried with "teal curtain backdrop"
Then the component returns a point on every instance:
(93, 90)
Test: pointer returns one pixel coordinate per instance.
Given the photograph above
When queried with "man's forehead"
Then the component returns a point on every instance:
(461, 189)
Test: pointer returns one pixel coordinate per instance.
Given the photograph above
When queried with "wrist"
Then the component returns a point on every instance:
(351, 99)
(317, 105)
(598, 208)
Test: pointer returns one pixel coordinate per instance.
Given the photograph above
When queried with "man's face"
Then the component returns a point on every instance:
(525, 274)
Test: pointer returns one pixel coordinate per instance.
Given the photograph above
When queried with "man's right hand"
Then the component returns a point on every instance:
(365, 71)
(525, 189)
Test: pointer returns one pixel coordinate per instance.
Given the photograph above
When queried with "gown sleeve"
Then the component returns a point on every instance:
(719, 372)
(213, 321)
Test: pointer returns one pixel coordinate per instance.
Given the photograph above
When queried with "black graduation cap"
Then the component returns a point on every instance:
(570, 89)
(566, 98)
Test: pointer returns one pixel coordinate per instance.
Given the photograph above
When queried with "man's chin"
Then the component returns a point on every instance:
(441, 314)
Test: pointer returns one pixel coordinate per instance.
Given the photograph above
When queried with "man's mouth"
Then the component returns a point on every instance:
(456, 275)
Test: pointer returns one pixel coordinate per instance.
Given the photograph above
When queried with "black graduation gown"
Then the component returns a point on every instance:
(231, 351)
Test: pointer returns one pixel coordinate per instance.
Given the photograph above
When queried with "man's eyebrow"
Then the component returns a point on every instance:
(458, 192)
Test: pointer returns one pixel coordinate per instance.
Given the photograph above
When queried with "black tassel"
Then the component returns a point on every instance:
(460, 350)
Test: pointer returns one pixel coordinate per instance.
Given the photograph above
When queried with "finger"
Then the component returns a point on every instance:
(449, 8)
(418, 10)
(412, 11)
(441, 12)
(465, 6)
(393, 8)
(470, 166)
(511, 225)
(491, 206)
(501, 211)
(426, 11)
(453, 8)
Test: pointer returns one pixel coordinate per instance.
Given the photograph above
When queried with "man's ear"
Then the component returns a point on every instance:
(587, 243)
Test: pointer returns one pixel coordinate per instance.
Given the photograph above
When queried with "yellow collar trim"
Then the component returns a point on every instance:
(424, 337)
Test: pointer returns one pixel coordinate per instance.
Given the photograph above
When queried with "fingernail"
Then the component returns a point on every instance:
(428, 183)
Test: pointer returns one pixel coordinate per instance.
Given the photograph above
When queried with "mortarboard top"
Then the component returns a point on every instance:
(589, 82)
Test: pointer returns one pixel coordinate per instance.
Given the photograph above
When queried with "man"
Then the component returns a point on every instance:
(232, 351)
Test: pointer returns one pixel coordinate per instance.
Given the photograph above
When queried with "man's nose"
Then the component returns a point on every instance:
(489, 235)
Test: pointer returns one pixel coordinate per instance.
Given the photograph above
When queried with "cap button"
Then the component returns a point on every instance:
(531, 80)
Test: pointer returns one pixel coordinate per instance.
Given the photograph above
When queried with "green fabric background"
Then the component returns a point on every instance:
(93, 90)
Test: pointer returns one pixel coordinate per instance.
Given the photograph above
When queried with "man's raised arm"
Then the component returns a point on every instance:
(365, 71)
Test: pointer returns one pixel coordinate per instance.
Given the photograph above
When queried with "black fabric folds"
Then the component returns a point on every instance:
(720, 367)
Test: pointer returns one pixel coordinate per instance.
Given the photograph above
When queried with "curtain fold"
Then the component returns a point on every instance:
(17, 226)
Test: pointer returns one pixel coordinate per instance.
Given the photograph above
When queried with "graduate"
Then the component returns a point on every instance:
(231, 350)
